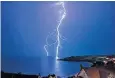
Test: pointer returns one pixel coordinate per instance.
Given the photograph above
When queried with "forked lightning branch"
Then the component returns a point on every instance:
(57, 31)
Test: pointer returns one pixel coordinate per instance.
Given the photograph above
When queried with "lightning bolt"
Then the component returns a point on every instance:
(47, 44)
(57, 31)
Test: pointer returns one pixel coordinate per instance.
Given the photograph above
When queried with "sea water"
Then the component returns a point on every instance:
(42, 65)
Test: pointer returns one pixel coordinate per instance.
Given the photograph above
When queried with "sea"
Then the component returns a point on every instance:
(42, 65)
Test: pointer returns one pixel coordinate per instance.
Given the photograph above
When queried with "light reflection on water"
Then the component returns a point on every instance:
(44, 66)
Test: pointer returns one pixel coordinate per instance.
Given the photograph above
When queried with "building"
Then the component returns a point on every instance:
(103, 66)
(96, 72)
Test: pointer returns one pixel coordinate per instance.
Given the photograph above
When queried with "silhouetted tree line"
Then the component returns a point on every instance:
(20, 75)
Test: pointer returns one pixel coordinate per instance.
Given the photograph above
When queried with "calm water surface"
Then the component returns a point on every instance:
(45, 66)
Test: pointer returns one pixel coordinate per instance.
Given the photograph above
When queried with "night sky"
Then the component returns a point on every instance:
(89, 28)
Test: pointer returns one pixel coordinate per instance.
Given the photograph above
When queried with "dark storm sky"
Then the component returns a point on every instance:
(89, 28)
